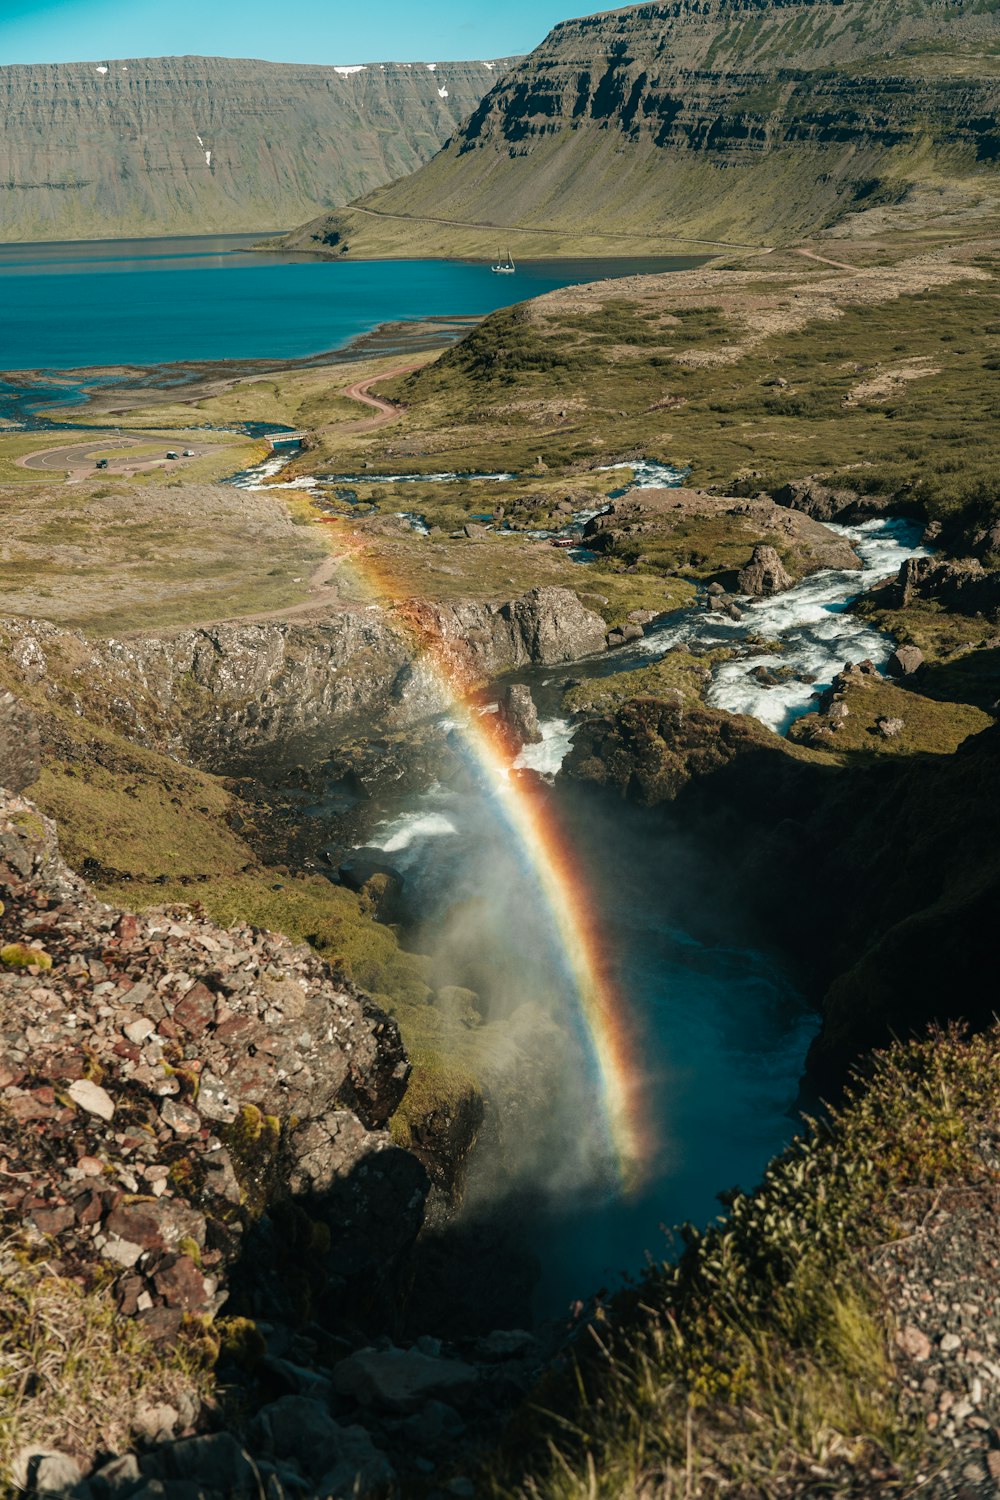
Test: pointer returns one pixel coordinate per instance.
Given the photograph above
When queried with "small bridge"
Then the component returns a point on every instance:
(273, 439)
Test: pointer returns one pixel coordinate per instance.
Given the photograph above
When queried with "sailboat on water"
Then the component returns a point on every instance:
(504, 267)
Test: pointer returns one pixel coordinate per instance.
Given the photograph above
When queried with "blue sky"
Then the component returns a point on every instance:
(320, 31)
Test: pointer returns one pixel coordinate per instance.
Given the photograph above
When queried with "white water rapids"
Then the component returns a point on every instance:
(722, 1028)
(810, 622)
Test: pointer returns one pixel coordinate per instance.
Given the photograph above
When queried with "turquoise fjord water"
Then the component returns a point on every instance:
(92, 305)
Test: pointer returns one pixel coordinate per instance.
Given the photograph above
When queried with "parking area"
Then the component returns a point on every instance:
(115, 455)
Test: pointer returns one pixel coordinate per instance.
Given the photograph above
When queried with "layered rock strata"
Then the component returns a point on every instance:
(226, 690)
(189, 145)
(739, 120)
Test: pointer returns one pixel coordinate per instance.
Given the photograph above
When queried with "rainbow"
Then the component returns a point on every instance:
(533, 822)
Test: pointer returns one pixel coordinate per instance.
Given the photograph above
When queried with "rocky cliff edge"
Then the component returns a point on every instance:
(168, 1092)
(216, 692)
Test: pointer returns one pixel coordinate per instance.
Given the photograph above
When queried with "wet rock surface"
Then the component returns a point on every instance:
(519, 714)
(963, 585)
(824, 502)
(382, 1420)
(651, 749)
(765, 573)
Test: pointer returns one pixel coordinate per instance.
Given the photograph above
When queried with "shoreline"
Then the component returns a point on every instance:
(146, 239)
(42, 398)
(721, 247)
(183, 381)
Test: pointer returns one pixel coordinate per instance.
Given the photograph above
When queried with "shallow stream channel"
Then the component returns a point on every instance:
(718, 1029)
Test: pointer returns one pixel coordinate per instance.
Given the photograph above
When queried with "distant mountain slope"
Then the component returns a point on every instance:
(719, 119)
(190, 144)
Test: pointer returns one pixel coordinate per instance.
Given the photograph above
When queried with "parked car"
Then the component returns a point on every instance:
(173, 455)
(101, 463)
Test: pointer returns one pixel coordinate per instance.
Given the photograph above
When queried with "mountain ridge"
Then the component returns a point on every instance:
(747, 120)
(151, 146)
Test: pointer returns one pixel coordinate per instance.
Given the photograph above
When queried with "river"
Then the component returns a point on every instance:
(722, 1030)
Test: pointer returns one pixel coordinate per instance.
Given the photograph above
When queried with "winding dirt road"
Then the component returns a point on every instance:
(824, 260)
(594, 234)
(387, 411)
(77, 461)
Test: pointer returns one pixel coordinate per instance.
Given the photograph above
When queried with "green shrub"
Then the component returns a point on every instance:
(22, 956)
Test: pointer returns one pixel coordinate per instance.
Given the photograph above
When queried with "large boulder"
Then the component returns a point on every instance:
(401, 1380)
(904, 661)
(475, 640)
(519, 714)
(765, 573)
(825, 502)
(341, 1460)
(649, 750)
(551, 625)
(960, 584)
(214, 1461)
(20, 764)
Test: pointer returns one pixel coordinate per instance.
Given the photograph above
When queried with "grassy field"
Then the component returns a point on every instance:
(929, 726)
(874, 372)
(396, 565)
(227, 453)
(15, 445)
(114, 556)
(307, 398)
(879, 377)
(293, 399)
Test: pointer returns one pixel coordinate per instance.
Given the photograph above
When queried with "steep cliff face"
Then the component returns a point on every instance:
(195, 144)
(217, 693)
(728, 119)
(889, 945)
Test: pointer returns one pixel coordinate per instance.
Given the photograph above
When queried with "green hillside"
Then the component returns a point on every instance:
(741, 121)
